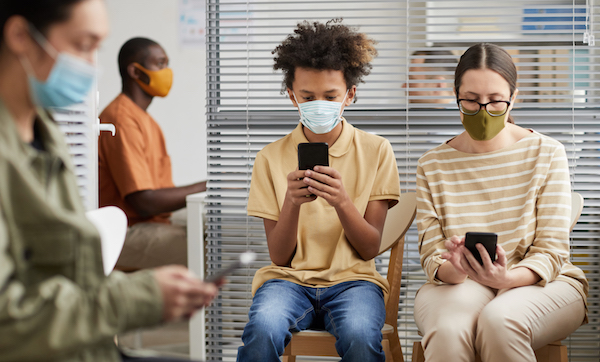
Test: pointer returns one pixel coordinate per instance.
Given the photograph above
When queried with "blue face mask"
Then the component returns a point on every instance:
(69, 82)
(320, 116)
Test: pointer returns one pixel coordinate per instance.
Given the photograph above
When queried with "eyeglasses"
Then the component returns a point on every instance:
(493, 108)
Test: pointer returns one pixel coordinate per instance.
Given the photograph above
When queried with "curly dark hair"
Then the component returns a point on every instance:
(329, 46)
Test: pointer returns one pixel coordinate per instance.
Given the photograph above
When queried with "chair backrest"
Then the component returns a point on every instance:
(111, 223)
(398, 221)
(576, 208)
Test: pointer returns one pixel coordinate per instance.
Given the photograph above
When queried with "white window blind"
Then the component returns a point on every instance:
(79, 124)
(552, 43)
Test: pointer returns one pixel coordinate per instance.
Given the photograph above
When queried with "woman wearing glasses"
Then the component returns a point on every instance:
(501, 178)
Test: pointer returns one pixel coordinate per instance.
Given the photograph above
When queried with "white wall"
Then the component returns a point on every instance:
(182, 113)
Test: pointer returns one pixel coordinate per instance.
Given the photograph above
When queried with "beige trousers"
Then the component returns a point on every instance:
(148, 245)
(457, 320)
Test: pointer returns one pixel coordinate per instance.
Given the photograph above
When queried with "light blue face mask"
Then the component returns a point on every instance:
(320, 116)
(69, 81)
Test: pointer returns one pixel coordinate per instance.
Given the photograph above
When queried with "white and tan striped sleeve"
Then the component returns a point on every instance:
(431, 235)
(550, 247)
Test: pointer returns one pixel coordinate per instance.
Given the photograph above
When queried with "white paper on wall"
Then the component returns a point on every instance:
(192, 23)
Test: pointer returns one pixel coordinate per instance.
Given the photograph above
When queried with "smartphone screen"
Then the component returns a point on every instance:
(488, 240)
(312, 154)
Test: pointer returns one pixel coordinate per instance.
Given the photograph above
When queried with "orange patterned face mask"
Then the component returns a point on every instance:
(160, 81)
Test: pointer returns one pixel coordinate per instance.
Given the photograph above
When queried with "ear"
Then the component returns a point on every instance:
(350, 96)
(290, 93)
(513, 100)
(16, 35)
(133, 72)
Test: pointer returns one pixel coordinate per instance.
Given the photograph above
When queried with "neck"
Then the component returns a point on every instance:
(329, 137)
(14, 92)
(137, 95)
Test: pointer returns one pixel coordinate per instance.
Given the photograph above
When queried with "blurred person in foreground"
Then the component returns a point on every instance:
(55, 302)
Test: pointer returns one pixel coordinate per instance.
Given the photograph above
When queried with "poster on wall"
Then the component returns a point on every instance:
(192, 23)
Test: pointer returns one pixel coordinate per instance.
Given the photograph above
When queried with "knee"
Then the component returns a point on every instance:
(450, 334)
(490, 318)
(265, 335)
(266, 322)
(360, 334)
(450, 338)
(497, 324)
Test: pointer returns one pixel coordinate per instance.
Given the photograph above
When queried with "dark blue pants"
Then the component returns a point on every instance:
(354, 312)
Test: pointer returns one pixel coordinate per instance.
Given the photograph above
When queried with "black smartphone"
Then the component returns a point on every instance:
(243, 260)
(488, 240)
(312, 154)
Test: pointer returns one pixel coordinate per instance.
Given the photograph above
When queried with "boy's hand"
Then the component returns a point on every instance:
(326, 182)
(297, 190)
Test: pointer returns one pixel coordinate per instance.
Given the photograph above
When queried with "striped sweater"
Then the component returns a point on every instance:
(521, 192)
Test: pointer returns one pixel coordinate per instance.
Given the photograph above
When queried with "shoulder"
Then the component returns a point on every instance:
(545, 144)
(371, 144)
(277, 148)
(269, 171)
(275, 157)
(548, 141)
(366, 139)
(439, 152)
(119, 112)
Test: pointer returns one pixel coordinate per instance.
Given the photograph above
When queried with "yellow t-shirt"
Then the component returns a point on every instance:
(324, 257)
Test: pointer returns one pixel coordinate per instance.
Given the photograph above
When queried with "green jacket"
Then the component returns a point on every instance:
(55, 302)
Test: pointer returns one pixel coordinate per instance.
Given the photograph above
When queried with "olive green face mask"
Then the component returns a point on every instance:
(482, 126)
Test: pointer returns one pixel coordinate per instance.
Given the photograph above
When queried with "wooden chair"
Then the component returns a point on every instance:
(321, 343)
(553, 352)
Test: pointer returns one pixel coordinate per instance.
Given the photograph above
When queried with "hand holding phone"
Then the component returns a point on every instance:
(243, 260)
(488, 240)
(182, 293)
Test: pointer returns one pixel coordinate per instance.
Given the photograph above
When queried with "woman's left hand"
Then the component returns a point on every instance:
(493, 274)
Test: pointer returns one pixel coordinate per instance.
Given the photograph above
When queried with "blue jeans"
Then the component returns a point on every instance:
(353, 312)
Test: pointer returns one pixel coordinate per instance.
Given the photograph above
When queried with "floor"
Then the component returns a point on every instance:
(168, 340)
(171, 340)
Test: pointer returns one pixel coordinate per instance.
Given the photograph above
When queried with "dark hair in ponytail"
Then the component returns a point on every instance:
(487, 56)
(40, 13)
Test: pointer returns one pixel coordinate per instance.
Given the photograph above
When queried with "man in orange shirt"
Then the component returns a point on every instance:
(134, 167)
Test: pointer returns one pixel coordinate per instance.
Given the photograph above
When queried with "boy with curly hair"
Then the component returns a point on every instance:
(323, 226)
